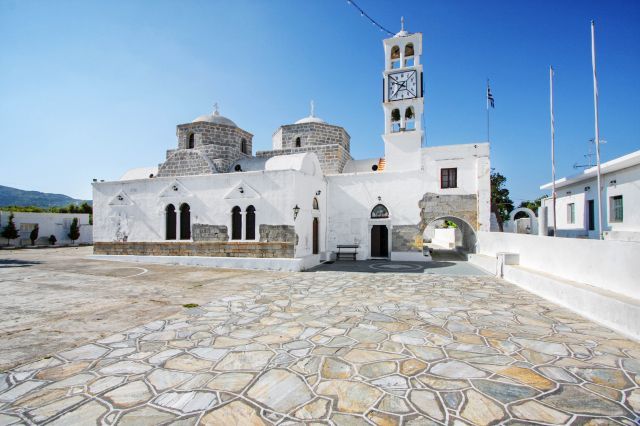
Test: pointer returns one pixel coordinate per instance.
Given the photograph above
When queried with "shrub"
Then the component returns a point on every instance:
(74, 230)
(53, 240)
(34, 234)
(10, 232)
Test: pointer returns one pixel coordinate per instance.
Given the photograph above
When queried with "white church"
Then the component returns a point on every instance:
(215, 202)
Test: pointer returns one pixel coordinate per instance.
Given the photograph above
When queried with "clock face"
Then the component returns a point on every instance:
(402, 85)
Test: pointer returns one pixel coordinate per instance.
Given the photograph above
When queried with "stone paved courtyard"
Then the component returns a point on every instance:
(342, 348)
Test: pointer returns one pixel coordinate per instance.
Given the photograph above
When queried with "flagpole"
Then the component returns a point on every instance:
(487, 96)
(597, 129)
(553, 149)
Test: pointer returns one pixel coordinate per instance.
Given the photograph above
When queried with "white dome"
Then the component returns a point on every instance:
(215, 118)
(310, 119)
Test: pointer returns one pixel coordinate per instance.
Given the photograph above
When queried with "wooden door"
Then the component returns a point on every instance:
(316, 242)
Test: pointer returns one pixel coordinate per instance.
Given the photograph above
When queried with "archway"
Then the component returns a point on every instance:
(449, 236)
(522, 221)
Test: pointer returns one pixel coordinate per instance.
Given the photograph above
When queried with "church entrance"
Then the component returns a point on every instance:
(379, 241)
(316, 242)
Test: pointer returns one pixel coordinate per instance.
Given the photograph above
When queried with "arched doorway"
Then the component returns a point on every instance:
(379, 232)
(316, 239)
(185, 222)
(170, 222)
(449, 238)
(379, 241)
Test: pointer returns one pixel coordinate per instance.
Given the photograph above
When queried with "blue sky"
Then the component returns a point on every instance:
(90, 89)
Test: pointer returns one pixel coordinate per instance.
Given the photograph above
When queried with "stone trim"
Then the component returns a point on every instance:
(202, 248)
(406, 238)
(434, 206)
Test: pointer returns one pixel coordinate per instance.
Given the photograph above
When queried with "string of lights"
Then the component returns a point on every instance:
(365, 15)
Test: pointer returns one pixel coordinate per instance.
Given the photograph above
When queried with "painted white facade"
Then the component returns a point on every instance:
(56, 224)
(619, 177)
(133, 209)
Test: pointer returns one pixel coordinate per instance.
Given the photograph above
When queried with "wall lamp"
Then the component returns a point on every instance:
(318, 192)
(296, 210)
(241, 189)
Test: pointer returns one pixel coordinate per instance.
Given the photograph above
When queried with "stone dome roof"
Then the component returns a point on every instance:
(312, 117)
(215, 118)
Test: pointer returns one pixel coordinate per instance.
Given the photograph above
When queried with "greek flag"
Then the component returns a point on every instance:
(490, 102)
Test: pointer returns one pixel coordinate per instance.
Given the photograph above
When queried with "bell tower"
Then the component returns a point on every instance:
(403, 101)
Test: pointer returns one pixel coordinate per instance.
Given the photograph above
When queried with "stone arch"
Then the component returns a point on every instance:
(468, 238)
(434, 206)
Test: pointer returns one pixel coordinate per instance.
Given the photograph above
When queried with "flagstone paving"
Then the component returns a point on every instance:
(345, 349)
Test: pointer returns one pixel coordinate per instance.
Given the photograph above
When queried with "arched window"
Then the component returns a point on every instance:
(244, 147)
(409, 119)
(408, 55)
(170, 222)
(250, 223)
(192, 141)
(236, 223)
(185, 222)
(315, 204)
(379, 212)
(395, 120)
(298, 142)
(395, 57)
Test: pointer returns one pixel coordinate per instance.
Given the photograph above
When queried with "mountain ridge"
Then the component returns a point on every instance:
(19, 197)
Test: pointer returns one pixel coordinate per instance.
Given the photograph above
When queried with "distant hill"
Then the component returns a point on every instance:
(18, 197)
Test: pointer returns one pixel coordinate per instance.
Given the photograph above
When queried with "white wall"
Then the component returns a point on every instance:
(609, 265)
(352, 196)
(141, 214)
(49, 224)
(627, 184)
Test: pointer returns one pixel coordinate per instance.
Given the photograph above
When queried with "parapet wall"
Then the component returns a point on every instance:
(199, 248)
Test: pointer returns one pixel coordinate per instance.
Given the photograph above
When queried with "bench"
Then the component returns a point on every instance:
(352, 254)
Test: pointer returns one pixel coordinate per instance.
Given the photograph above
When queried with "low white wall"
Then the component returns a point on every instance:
(267, 264)
(609, 265)
(445, 237)
(49, 224)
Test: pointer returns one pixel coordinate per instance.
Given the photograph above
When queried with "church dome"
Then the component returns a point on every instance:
(311, 118)
(215, 118)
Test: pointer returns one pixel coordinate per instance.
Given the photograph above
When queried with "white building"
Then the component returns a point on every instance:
(56, 224)
(577, 201)
(290, 206)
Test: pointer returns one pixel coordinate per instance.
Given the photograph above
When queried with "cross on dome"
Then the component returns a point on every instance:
(402, 23)
(313, 109)
(215, 109)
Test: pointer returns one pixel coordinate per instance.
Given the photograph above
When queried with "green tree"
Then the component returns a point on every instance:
(33, 236)
(74, 230)
(10, 232)
(501, 204)
(533, 205)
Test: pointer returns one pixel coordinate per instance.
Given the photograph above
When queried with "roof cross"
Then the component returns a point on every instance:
(313, 109)
(402, 23)
(215, 109)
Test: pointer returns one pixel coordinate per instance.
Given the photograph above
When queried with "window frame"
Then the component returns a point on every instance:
(613, 209)
(191, 141)
(571, 213)
(447, 183)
